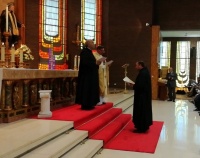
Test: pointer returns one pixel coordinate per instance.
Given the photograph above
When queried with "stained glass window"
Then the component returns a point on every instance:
(91, 20)
(52, 34)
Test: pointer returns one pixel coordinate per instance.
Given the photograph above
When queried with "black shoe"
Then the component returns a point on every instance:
(169, 100)
(139, 131)
(173, 100)
(191, 101)
(87, 108)
(136, 131)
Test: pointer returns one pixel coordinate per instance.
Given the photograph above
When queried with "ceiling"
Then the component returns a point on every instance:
(180, 33)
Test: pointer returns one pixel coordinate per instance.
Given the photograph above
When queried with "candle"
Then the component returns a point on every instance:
(21, 56)
(2, 52)
(75, 62)
(78, 62)
(6, 18)
(12, 53)
(77, 33)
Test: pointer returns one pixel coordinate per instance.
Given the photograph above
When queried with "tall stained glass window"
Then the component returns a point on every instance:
(91, 11)
(52, 34)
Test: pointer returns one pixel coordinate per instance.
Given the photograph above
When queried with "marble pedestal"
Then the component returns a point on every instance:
(45, 96)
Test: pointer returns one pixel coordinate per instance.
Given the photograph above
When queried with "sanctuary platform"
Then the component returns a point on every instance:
(19, 91)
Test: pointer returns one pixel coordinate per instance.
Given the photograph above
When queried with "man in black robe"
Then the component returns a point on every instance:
(87, 93)
(171, 84)
(142, 110)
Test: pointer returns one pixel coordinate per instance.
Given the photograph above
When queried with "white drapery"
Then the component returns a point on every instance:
(165, 53)
(183, 63)
(198, 60)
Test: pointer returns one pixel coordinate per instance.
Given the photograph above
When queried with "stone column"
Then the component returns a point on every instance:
(45, 96)
(39, 88)
(26, 90)
(8, 95)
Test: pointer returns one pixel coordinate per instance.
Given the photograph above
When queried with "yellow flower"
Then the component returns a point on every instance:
(26, 52)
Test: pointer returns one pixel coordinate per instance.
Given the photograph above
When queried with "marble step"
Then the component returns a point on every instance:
(125, 104)
(86, 150)
(119, 97)
(129, 110)
(29, 134)
(21, 136)
(58, 146)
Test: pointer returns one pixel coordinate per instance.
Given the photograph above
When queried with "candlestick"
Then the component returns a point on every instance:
(2, 52)
(77, 33)
(12, 53)
(75, 62)
(21, 56)
(78, 62)
(6, 18)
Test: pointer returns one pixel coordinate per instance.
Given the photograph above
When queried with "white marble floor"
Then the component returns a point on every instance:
(180, 136)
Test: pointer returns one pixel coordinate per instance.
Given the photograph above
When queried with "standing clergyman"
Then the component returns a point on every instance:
(142, 110)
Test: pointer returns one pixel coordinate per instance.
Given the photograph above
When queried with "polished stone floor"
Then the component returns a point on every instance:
(180, 136)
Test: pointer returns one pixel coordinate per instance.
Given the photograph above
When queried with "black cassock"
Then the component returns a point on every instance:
(142, 110)
(87, 93)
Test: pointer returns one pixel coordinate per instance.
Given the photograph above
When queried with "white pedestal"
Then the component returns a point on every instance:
(45, 96)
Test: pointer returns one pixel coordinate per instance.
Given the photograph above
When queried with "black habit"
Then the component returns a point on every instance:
(171, 85)
(87, 93)
(142, 110)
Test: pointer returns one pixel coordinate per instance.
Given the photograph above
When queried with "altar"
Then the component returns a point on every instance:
(19, 91)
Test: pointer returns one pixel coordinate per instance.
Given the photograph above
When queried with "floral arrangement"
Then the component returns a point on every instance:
(26, 52)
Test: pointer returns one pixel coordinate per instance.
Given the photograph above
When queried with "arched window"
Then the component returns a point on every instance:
(91, 12)
(52, 34)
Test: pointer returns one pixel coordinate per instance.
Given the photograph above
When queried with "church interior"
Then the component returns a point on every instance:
(46, 59)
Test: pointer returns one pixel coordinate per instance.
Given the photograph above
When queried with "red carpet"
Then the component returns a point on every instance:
(107, 133)
(139, 142)
(74, 113)
(110, 125)
(99, 122)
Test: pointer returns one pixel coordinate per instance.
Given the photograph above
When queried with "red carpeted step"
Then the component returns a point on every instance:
(113, 128)
(139, 142)
(99, 122)
(74, 113)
